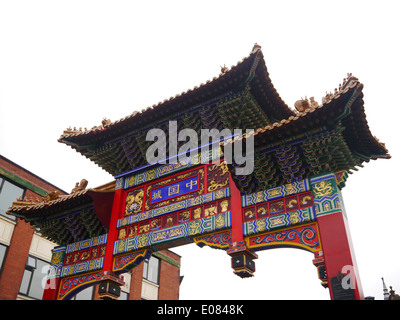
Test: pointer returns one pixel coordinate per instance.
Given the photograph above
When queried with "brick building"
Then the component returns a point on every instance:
(25, 255)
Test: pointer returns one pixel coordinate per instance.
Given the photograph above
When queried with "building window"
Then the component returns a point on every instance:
(32, 284)
(3, 250)
(9, 192)
(151, 269)
(85, 294)
(124, 295)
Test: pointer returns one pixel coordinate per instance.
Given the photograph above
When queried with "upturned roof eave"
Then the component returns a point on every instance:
(331, 111)
(31, 211)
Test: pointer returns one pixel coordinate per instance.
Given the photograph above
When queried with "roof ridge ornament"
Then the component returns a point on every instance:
(256, 48)
(20, 202)
(105, 122)
(80, 186)
(224, 69)
(29, 202)
(348, 83)
(393, 295)
(304, 104)
(69, 131)
(52, 195)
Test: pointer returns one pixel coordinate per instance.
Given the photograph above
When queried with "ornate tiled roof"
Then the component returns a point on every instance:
(230, 78)
(345, 104)
(120, 146)
(242, 96)
(54, 201)
(68, 218)
(39, 205)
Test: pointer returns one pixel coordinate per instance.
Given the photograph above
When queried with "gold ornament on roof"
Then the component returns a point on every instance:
(314, 104)
(256, 47)
(53, 195)
(347, 82)
(79, 186)
(24, 202)
(105, 122)
(304, 104)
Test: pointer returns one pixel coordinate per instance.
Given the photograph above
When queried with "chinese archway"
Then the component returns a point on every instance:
(292, 198)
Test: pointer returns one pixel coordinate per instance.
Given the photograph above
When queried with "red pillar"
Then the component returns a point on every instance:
(242, 258)
(236, 212)
(112, 229)
(51, 290)
(340, 262)
(54, 277)
(338, 255)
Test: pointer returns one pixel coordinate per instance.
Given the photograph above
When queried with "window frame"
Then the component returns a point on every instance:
(3, 179)
(3, 259)
(146, 268)
(79, 294)
(29, 272)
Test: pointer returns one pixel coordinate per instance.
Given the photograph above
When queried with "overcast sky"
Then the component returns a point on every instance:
(72, 63)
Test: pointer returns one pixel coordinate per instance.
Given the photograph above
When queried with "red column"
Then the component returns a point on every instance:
(236, 212)
(112, 229)
(242, 258)
(51, 290)
(54, 277)
(340, 262)
(339, 255)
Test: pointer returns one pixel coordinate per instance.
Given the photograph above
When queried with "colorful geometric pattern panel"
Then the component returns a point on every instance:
(72, 285)
(327, 197)
(168, 169)
(280, 213)
(276, 193)
(202, 220)
(84, 256)
(134, 202)
(172, 210)
(57, 260)
(82, 267)
(186, 204)
(126, 262)
(278, 221)
(219, 240)
(303, 237)
(86, 244)
(341, 177)
(217, 176)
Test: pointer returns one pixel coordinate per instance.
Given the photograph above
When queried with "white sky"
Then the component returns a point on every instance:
(72, 63)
